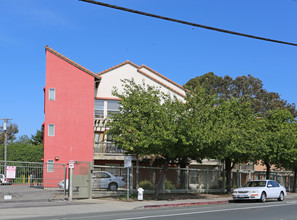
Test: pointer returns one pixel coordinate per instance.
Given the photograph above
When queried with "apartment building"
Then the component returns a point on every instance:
(78, 104)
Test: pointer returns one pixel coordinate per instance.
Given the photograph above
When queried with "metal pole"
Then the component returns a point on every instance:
(90, 180)
(5, 144)
(70, 184)
(5, 153)
(128, 180)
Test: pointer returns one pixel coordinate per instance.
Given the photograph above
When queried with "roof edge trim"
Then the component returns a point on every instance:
(174, 83)
(117, 66)
(47, 48)
(168, 87)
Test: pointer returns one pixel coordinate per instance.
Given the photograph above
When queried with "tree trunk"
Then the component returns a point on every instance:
(161, 178)
(267, 170)
(295, 178)
(228, 168)
(183, 165)
(153, 172)
(137, 173)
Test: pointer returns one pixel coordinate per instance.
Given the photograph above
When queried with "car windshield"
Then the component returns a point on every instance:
(255, 184)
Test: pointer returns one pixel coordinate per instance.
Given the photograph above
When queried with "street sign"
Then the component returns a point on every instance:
(128, 161)
(71, 164)
(10, 172)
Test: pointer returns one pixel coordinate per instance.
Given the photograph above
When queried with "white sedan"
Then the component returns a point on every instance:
(105, 180)
(100, 180)
(260, 190)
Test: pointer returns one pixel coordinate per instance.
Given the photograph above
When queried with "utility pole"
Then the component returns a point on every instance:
(5, 144)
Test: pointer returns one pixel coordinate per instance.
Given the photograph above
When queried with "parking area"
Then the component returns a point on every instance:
(25, 192)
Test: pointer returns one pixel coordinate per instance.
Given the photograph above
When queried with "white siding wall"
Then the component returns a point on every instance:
(113, 78)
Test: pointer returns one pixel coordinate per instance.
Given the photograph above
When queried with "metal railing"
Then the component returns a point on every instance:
(107, 147)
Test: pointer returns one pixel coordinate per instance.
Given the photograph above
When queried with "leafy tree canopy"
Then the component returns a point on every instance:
(149, 122)
(37, 138)
(277, 136)
(12, 130)
(226, 87)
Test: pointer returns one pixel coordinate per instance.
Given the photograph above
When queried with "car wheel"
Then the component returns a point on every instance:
(263, 197)
(281, 197)
(113, 186)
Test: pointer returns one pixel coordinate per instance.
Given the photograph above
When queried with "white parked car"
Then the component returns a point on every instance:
(62, 185)
(101, 180)
(4, 180)
(260, 190)
(105, 180)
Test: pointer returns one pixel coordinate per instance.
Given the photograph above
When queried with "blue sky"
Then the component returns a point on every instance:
(99, 38)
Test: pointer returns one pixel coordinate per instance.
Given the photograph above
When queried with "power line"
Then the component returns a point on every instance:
(187, 23)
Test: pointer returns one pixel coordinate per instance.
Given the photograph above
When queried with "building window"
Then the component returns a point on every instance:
(99, 108)
(51, 130)
(50, 166)
(113, 107)
(52, 94)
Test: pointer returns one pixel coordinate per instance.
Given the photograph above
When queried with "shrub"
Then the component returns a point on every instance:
(147, 185)
(169, 185)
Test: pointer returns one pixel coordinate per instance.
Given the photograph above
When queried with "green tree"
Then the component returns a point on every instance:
(12, 130)
(277, 138)
(262, 101)
(235, 135)
(150, 123)
(37, 138)
(226, 87)
(23, 139)
(19, 151)
(288, 157)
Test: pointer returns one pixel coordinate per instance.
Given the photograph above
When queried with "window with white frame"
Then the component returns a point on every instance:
(51, 130)
(113, 107)
(50, 166)
(52, 94)
(99, 108)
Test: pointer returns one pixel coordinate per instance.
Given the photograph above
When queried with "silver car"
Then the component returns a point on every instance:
(105, 180)
(100, 180)
(260, 190)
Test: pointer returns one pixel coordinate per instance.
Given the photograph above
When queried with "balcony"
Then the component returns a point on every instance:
(106, 148)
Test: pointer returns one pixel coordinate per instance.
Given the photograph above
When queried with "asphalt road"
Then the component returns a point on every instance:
(245, 210)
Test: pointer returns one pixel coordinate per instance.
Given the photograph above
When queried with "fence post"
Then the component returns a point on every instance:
(237, 179)
(187, 179)
(289, 183)
(137, 174)
(90, 180)
(65, 177)
(70, 184)
(131, 178)
(206, 180)
(224, 181)
(163, 185)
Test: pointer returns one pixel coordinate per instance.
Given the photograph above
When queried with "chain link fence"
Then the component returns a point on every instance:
(31, 181)
(35, 181)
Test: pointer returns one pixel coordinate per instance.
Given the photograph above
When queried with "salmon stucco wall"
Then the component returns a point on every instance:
(71, 113)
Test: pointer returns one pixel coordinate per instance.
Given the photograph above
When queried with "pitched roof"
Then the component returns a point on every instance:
(47, 48)
(149, 76)
(117, 66)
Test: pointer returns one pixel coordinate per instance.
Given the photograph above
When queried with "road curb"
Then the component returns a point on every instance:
(185, 204)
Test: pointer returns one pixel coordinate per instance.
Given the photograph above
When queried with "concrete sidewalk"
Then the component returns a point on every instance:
(41, 209)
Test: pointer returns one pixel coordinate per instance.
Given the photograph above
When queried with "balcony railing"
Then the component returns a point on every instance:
(107, 148)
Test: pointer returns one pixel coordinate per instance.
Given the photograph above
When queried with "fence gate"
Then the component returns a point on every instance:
(31, 181)
(82, 180)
